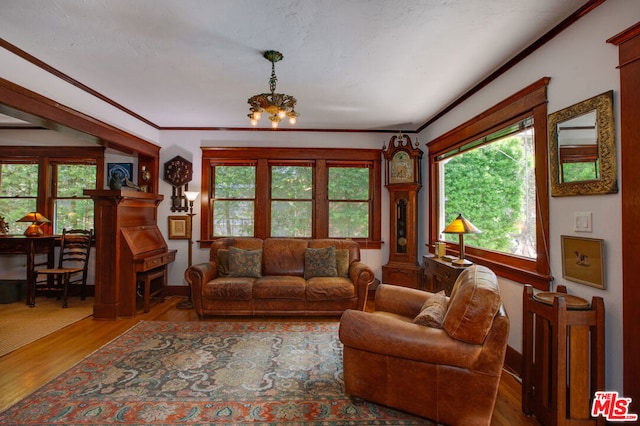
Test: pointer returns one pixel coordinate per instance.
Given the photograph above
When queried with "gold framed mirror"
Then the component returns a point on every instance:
(582, 148)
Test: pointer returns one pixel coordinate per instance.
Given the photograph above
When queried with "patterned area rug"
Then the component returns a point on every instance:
(240, 373)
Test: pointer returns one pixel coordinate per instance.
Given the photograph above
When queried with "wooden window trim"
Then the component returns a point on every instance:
(264, 157)
(532, 101)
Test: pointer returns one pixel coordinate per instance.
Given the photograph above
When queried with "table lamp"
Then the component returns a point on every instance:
(36, 220)
(461, 226)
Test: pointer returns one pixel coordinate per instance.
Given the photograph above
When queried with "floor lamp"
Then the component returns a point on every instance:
(191, 197)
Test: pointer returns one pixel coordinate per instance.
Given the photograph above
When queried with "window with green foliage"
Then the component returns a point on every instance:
(491, 181)
(18, 193)
(348, 202)
(51, 181)
(72, 209)
(294, 193)
(234, 193)
(493, 170)
(291, 201)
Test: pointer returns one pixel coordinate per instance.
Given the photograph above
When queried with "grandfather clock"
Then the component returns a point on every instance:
(403, 180)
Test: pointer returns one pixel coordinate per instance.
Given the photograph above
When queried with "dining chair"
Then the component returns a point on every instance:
(73, 261)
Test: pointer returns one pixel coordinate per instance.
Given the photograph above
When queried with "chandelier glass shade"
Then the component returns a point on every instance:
(278, 105)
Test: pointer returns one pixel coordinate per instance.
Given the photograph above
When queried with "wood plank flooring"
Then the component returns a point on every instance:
(26, 369)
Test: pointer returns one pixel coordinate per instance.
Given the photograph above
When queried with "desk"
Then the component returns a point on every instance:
(30, 246)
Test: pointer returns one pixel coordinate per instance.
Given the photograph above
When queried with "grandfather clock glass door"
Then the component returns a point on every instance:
(403, 183)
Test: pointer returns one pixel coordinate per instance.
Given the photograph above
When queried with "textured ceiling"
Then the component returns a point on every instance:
(352, 64)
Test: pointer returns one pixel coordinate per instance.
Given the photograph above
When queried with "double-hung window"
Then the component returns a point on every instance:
(18, 192)
(493, 171)
(233, 199)
(71, 208)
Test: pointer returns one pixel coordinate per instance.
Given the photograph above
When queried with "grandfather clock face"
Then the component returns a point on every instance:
(401, 168)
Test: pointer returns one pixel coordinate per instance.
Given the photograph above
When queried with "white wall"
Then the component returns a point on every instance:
(188, 144)
(581, 65)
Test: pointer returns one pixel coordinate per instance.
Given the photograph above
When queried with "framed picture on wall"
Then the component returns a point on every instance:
(179, 227)
(120, 171)
(583, 260)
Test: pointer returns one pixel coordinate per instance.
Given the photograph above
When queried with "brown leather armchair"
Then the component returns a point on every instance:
(449, 374)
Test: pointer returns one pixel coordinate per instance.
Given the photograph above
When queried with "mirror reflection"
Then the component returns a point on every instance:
(578, 145)
(582, 149)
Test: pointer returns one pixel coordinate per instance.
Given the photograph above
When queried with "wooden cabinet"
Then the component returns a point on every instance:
(439, 274)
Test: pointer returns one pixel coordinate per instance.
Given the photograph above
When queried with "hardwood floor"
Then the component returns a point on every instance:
(26, 369)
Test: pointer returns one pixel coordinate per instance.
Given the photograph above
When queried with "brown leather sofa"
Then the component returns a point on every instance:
(449, 374)
(280, 288)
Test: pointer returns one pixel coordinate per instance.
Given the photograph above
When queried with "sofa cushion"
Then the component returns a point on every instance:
(433, 311)
(245, 263)
(328, 288)
(320, 262)
(283, 256)
(229, 288)
(223, 263)
(279, 287)
(342, 262)
(473, 306)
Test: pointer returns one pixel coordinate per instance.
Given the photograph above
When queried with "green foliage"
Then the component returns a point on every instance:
(19, 191)
(486, 185)
(578, 172)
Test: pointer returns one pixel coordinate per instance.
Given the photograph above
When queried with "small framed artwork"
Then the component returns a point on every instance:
(119, 171)
(179, 227)
(583, 260)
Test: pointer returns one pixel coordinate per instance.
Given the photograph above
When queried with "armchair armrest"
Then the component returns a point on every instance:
(362, 276)
(400, 338)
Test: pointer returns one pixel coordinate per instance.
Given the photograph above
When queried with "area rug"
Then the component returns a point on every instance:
(21, 325)
(235, 372)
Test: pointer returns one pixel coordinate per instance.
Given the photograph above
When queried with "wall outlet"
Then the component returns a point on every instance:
(582, 222)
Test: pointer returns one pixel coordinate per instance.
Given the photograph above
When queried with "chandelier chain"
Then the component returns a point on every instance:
(274, 79)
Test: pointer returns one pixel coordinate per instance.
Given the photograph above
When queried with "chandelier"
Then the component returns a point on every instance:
(279, 105)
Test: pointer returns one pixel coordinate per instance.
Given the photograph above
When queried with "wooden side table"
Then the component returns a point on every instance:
(439, 274)
(562, 356)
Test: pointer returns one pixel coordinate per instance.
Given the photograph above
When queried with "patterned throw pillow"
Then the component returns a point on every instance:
(342, 262)
(245, 263)
(320, 262)
(433, 311)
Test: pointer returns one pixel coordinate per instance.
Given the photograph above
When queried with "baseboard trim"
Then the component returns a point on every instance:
(513, 361)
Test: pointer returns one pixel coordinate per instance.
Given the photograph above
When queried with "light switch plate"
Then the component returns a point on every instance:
(582, 222)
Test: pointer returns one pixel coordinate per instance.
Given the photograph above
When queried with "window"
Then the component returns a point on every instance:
(291, 201)
(18, 193)
(71, 208)
(234, 193)
(49, 180)
(493, 170)
(491, 181)
(302, 193)
(348, 202)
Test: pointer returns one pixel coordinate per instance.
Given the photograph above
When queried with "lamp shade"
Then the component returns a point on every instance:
(191, 195)
(461, 225)
(34, 217)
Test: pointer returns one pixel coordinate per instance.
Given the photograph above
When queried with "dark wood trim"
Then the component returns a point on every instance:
(628, 43)
(570, 20)
(40, 110)
(65, 77)
(513, 361)
(286, 129)
(532, 100)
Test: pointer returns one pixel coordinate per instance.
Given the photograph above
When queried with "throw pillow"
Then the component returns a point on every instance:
(223, 263)
(433, 311)
(320, 262)
(245, 263)
(342, 262)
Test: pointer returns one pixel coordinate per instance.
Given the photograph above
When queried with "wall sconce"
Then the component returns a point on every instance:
(461, 226)
(36, 220)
